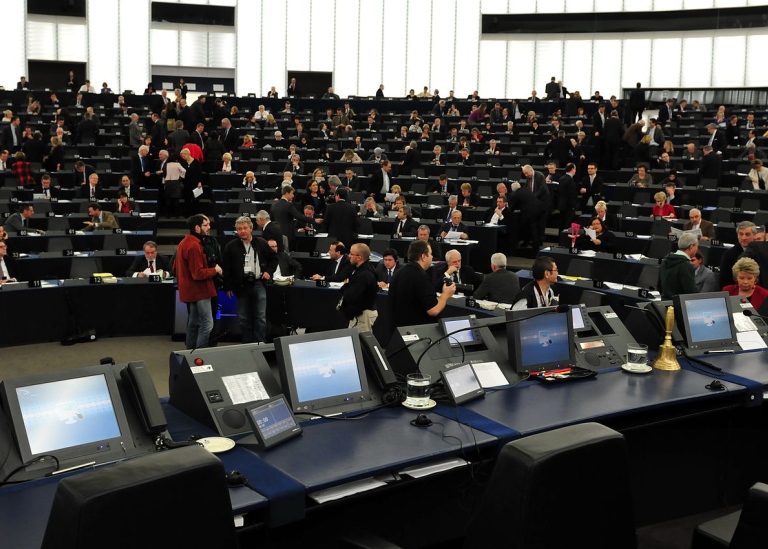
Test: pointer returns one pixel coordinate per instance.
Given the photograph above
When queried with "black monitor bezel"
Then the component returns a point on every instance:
(513, 338)
(327, 404)
(466, 397)
(681, 304)
(117, 447)
(474, 329)
(262, 442)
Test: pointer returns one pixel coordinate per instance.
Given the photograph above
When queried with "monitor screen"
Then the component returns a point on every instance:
(73, 415)
(462, 384)
(706, 319)
(540, 343)
(323, 370)
(469, 334)
(272, 423)
(579, 319)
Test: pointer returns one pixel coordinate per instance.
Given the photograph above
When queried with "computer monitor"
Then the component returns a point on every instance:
(76, 416)
(470, 334)
(580, 319)
(323, 372)
(705, 320)
(540, 342)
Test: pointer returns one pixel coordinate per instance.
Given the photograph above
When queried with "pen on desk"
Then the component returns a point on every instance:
(718, 351)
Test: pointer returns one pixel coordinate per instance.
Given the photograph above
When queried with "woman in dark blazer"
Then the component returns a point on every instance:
(604, 241)
(411, 159)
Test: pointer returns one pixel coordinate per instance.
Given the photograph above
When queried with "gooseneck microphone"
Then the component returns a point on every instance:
(558, 309)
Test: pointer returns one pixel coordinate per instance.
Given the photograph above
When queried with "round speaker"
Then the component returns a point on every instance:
(592, 359)
(233, 418)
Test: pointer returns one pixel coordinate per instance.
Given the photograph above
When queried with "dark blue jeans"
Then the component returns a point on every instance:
(252, 312)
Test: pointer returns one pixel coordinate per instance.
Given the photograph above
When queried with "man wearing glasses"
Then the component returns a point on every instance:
(538, 293)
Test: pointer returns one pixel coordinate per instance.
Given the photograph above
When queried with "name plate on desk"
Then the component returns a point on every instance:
(573, 251)
(425, 205)
(70, 231)
(96, 280)
(672, 238)
(54, 199)
(134, 213)
(50, 214)
(470, 301)
(599, 284)
(618, 255)
(630, 234)
(121, 251)
(68, 253)
(155, 278)
(644, 293)
(736, 210)
(247, 200)
(309, 232)
(34, 284)
(314, 254)
(22, 233)
(15, 255)
(117, 231)
(438, 238)
(246, 214)
(13, 200)
(715, 242)
(321, 283)
(395, 236)
(479, 223)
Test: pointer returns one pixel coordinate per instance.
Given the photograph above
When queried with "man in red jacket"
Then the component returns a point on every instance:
(196, 286)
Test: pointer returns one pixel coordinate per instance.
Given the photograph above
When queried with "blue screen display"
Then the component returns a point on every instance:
(544, 340)
(326, 368)
(67, 413)
(708, 319)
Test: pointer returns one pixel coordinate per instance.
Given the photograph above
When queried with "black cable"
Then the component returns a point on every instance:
(25, 465)
(409, 345)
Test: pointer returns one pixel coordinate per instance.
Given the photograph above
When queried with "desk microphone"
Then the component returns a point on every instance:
(558, 309)
(659, 323)
(750, 312)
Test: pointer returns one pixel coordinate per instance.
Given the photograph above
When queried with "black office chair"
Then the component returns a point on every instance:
(591, 298)
(580, 267)
(659, 248)
(178, 498)
(59, 244)
(536, 477)
(84, 267)
(743, 529)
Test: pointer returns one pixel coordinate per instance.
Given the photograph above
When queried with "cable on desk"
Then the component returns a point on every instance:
(25, 465)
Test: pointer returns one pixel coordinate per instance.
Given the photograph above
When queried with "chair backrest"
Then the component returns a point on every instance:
(84, 267)
(114, 241)
(752, 529)
(659, 248)
(59, 243)
(185, 489)
(534, 479)
(366, 226)
(580, 267)
(591, 298)
(58, 223)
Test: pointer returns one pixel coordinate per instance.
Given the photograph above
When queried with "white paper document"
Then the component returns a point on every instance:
(750, 341)
(418, 471)
(489, 374)
(246, 387)
(349, 489)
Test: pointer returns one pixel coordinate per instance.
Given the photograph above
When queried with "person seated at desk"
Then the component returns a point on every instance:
(604, 240)
(124, 205)
(5, 270)
(707, 228)
(601, 212)
(758, 175)
(538, 292)
(101, 220)
(150, 263)
(303, 226)
(19, 221)
(93, 190)
(286, 265)
(226, 163)
(443, 186)
(705, 279)
(453, 270)
(387, 268)
(642, 178)
(370, 209)
(455, 228)
(662, 208)
(44, 188)
(127, 186)
(405, 225)
(691, 152)
(500, 285)
(249, 181)
(746, 273)
(340, 267)
(469, 199)
(672, 179)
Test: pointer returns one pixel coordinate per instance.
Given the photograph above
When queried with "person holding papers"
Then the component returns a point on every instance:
(596, 237)
(455, 229)
(707, 228)
(662, 208)
(150, 263)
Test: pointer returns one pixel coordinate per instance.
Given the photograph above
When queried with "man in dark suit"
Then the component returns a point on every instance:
(552, 90)
(591, 186)
(533, 215)
(11, 137)
(637, 103)
(453, 270)
(598, 120)
(141, 167)
(131, 191)
(381, 180)
(82, 173)
(196, 136)
(93, 190)
(87, 130)
(534, 98)
(612, 135)
(270, 230)
(443, 186)
(351, 181)
(455, 226)
(229, 136)
(341, 219)
(567, 196)
(537, 184)
(45, 188)
(711, 164)
(286, 265)
(405, 225)
(293, 90)
(150, 263)
(19, 221)
(745, 234)
(387, 268)
(502, 215)
(283, 212)
(340, 267)
(500, 285)
(197, 111)
(717, 139)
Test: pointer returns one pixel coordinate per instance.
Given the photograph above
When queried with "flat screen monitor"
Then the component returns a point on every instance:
(539, 342)
(580, 319)
(705, 320)
(466, 328)
(323, 372)
(272, 422)
(462, 384)
(76, 416)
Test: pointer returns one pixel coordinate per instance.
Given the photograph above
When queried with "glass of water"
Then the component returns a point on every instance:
(417, 391)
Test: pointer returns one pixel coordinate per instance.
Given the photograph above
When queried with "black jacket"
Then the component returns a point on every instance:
(360, 292)
(233, 260)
